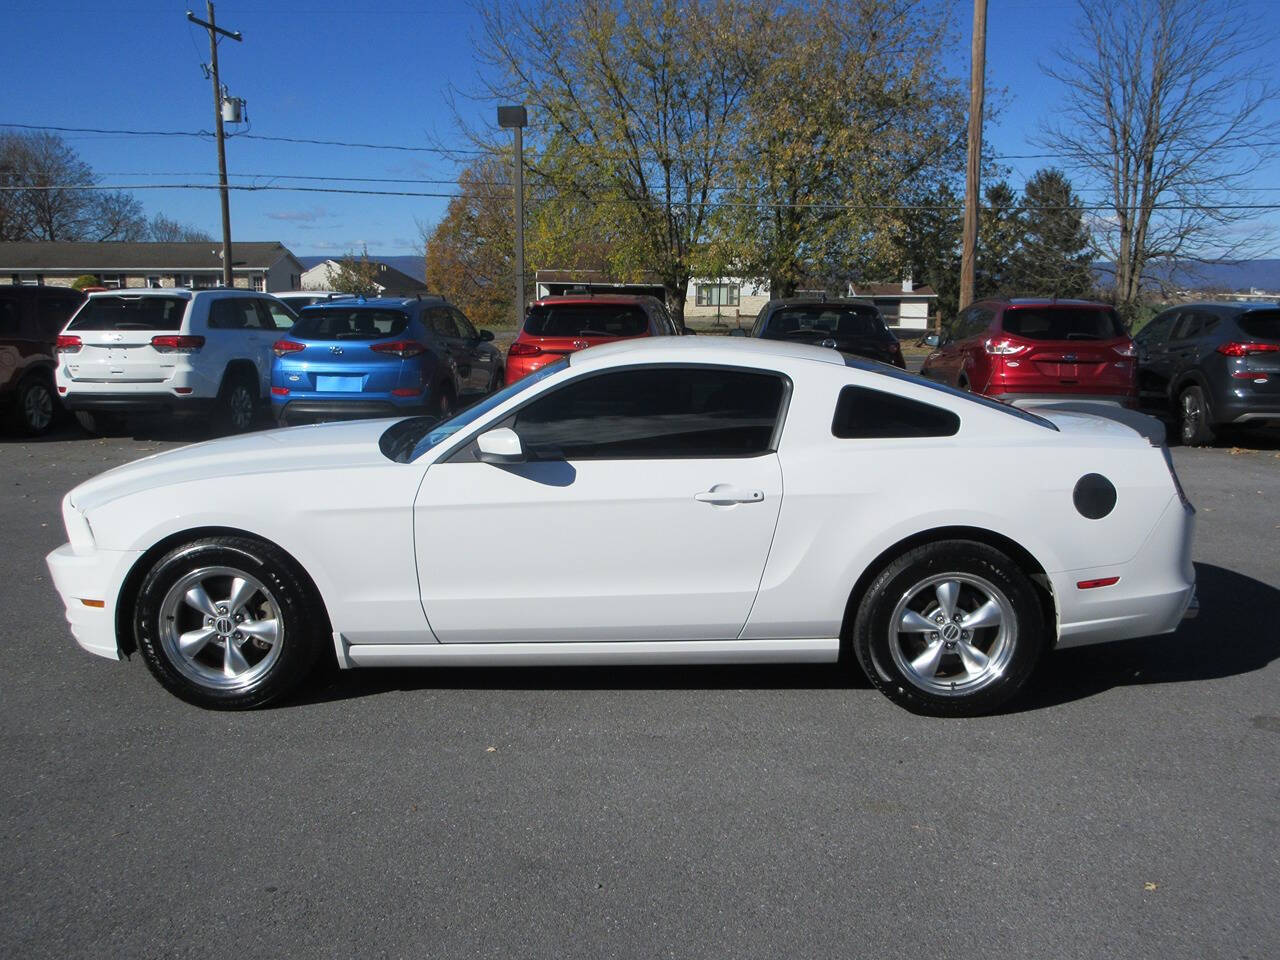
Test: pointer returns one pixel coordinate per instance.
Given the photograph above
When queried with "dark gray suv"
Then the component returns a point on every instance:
(1213, 364)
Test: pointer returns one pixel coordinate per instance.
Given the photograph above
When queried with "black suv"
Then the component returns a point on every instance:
(849, 325)
(30, 320)
(1214, 364)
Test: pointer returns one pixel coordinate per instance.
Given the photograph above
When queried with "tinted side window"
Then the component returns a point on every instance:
(442, 323)
(1188, 325)
(238, 313)
(1157, 331)
(465, 329)
(275, 316)
(52, 314)
(871, 414)
(655, 413)
(10, 317)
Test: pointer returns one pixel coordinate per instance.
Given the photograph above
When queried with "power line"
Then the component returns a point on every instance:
(763, 204)
(468, 151)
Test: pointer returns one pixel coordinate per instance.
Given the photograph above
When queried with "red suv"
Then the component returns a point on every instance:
(556, 326)
(1038, 349)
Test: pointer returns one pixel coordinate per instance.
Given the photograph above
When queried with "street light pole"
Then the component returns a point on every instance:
(214, 30)
(517, 118)
(977, 76)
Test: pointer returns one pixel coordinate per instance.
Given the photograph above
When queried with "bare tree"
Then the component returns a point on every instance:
(164, 230)
(1165, 106)
(51, 194)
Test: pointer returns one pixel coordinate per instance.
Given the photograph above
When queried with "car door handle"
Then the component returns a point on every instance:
(723, 494)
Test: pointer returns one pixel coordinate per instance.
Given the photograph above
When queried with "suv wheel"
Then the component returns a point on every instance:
(35, 406)
(1194, 418)
(950, 629)
(239, 403)
(444, 405)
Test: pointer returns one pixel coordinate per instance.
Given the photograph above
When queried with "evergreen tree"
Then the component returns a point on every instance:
(1056, 252)
(1000, 230)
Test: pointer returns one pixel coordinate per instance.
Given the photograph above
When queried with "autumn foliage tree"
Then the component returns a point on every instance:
(354, 274)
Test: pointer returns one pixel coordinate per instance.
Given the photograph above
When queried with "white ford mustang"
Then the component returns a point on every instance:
(668, 500)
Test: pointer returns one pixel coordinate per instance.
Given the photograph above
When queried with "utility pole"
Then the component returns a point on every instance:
(214, 30)
(517, 118)
(977, 76)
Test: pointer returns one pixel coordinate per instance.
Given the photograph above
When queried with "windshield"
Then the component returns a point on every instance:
(586, 320)
(1059, 323)
(1261, 324)
(409, 439)
(827, 319)
(130, 313)
(360, 323)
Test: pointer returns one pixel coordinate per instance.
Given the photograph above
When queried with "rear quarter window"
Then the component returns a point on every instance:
(131, 313)
(865, 414)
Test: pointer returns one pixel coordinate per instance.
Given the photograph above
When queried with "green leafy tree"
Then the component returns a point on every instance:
(354, 275)
(1055, 255)
(1000, 231)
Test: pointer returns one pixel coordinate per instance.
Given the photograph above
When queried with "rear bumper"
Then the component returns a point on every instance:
(1155, 592)
(96, 576)
(304, 410)
(136, 403)
(1020, 399)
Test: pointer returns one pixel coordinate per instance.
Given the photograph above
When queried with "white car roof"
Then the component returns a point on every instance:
(702, 349)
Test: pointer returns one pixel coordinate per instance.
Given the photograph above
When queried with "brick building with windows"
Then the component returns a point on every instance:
(120, 265)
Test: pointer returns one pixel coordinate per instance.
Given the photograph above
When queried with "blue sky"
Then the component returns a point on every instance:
(368, 72)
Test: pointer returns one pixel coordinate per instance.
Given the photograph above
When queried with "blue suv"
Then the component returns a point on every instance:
(385, 357)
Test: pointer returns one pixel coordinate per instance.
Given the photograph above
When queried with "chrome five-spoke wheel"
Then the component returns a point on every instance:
(221, 627)
(953, 634)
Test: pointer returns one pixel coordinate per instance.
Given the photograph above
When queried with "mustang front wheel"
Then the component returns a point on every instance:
(227, 622)
(951, 628)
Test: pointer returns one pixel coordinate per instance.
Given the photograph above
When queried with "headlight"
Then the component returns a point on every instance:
(79, 532)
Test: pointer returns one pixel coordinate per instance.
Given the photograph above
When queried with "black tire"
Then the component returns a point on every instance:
(99, 424)
(979, 571)
(1195, 418)
(35, 405)
(273, 669)
(237, 403)
(497, 381)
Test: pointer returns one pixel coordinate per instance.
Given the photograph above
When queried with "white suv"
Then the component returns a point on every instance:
(174, 351)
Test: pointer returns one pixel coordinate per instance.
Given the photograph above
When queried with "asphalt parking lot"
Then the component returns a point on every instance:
(1128, 805)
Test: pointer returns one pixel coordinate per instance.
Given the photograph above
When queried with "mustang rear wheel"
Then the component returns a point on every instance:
(950, 629)
(228, 622)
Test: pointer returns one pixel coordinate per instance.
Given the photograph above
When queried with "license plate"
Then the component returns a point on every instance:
(339, 384)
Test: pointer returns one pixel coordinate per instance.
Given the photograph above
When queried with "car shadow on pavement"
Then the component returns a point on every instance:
(1235, 632)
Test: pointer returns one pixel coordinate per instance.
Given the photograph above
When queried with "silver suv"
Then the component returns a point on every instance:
(174, 351)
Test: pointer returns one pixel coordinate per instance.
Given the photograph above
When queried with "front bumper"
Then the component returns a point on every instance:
(96, 576)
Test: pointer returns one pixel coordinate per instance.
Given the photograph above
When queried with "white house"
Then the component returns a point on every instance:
(388, 282)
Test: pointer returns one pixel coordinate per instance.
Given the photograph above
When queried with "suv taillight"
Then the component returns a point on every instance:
(519, 349)
(282, 347)
(1003, 347)
(401, 348)
(175, 344)
(1235, 349)
(67, 344)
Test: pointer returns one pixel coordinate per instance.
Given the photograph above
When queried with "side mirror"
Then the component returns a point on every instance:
(737, 332)
(500, 446)
(486, 335)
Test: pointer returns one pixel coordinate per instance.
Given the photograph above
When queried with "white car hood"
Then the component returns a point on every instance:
(284, 452)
